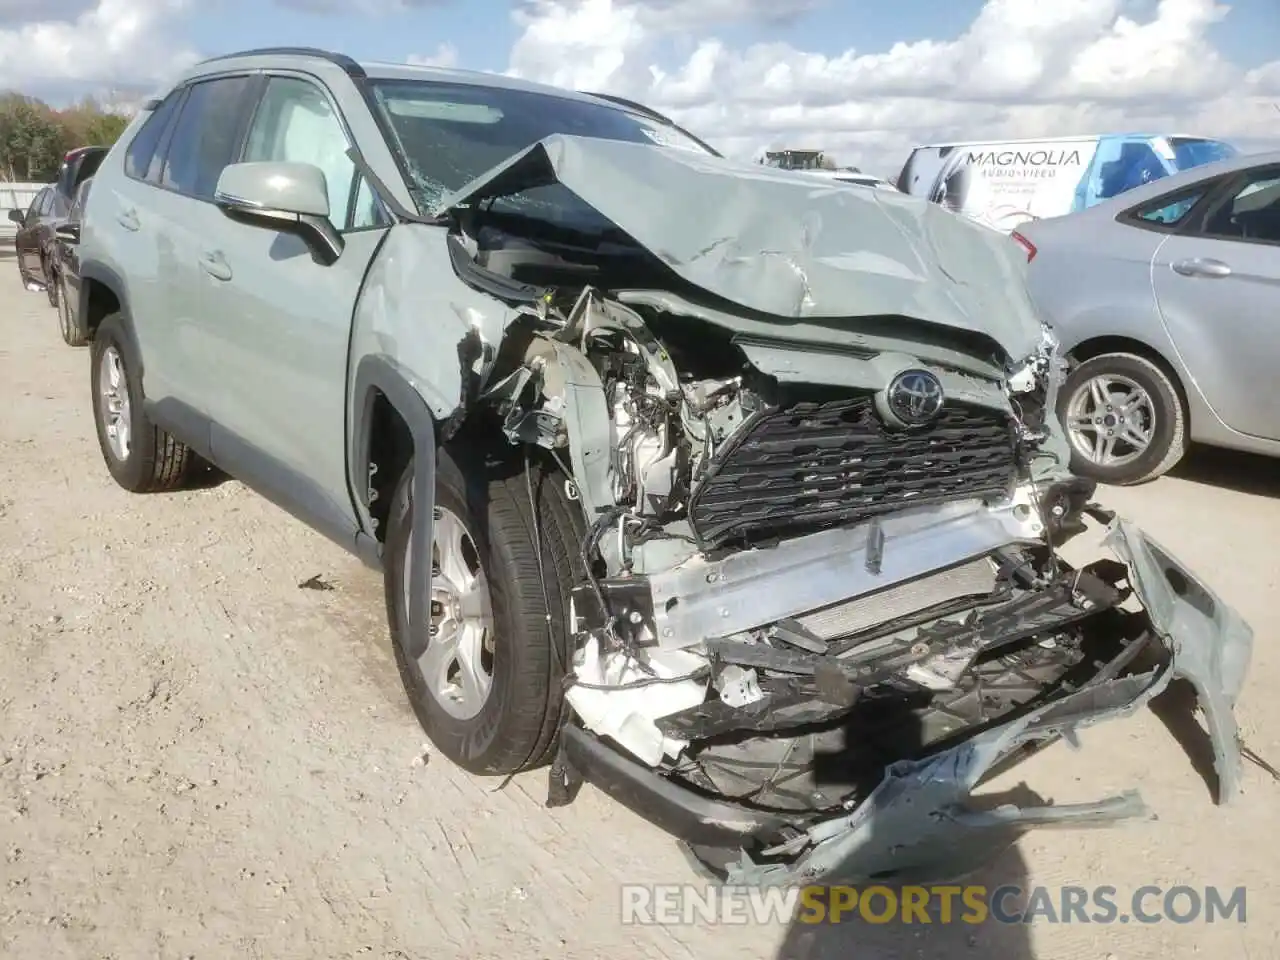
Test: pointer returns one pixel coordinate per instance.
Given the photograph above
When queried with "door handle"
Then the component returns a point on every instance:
(1201, 267)
(128, 219)
(215, 266)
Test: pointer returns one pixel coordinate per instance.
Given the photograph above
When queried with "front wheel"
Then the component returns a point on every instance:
(1124, 419)
(484, 673)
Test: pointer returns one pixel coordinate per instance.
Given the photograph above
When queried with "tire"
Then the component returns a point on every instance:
(70, 331)
(1162, 417)
(151, 460)
(50, 282)
(518, 724)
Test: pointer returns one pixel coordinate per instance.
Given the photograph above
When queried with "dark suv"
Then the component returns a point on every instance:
(36, 241)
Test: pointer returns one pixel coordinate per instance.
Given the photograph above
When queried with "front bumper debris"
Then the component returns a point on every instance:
(917, 824)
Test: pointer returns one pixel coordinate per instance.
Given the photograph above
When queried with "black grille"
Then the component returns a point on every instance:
(808, 465)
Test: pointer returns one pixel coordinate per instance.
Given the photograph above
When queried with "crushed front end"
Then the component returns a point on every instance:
(824, 595)
(819, 614)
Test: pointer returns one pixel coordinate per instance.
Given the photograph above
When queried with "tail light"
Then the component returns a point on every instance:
(1026, 245)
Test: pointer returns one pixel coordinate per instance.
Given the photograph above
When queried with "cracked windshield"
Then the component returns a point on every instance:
(450, 134)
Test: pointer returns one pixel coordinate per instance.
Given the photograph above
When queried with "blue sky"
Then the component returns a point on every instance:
(483, 31)
(1250, 35)
(863, 80)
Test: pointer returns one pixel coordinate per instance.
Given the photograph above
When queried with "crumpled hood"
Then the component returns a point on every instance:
(784, 244)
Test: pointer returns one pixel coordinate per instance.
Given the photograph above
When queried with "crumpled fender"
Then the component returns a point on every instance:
(917, 824)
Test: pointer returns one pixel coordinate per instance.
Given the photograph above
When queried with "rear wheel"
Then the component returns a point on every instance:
(50, 281)
(1124, 419)
(484, 673)
(140, 456)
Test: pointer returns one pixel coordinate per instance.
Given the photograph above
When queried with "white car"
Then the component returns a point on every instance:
(1002, 184)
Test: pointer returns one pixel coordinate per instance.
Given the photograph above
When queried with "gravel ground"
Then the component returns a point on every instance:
(199, 758)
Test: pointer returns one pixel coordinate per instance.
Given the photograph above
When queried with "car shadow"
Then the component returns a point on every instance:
(207, 477)
(1176, 709)
(912, 842)
(938, 940)
(1242, 472)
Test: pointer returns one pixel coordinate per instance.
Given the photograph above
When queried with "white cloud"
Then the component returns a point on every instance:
(679, 15)
(581, 44)
(24, 11)
(446, 55)
(108, 44)
(374, 7)
(1022, 68)
(1265, 80)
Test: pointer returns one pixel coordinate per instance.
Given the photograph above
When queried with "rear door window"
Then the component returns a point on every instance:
(206, 137)
(87, 167)
(1252, 213)
(37, 206)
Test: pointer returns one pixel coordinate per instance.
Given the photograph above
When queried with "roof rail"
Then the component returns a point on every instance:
(349, 66)
(629, 104)
(652, 114)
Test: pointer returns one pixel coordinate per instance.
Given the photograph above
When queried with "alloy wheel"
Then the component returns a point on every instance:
(457, 664)
(113, 405)
(1110, 420)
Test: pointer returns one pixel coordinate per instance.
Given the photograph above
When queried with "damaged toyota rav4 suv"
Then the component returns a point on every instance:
(727, 490)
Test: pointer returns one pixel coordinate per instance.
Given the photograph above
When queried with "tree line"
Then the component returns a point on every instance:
(34, 136)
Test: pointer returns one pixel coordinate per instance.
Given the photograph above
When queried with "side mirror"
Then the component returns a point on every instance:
(67, 232)
(18, 217)
(289, 197)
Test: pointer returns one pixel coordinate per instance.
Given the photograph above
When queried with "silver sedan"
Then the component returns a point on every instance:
(1167, 302)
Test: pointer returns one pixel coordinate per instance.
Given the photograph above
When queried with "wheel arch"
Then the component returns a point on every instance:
(388, 412)
(104, 292)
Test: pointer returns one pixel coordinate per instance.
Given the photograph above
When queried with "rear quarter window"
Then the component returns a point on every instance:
(1169, 211)
(1174, 211)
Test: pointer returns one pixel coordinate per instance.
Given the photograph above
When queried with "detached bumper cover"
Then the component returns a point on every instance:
(917, 824)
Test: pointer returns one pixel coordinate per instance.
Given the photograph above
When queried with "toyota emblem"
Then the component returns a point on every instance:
(914, 398)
